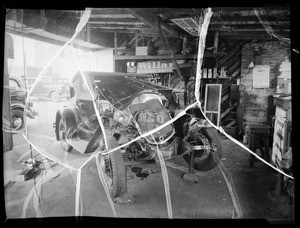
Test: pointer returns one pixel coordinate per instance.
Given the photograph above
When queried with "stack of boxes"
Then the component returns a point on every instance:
(213, 73)
(284, 79)
(280, 136)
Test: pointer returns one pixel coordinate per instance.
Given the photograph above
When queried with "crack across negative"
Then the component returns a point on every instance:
(100, 171)
(79, 27)
(197, 95)
(81, 24)
(165, 180)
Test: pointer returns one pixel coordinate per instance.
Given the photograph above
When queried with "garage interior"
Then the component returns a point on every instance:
(247, 60)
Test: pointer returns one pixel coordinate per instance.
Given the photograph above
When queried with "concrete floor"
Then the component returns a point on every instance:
(209, 198)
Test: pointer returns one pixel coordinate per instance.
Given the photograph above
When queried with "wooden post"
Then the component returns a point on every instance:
(115, 48)
(88, 35)
(6, 111)
(163, 37)
(137, 39)
(215, 50)
(184, 45)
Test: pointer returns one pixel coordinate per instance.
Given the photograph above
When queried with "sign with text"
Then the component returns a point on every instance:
(153, 67)
(261, 76)
(131, 69)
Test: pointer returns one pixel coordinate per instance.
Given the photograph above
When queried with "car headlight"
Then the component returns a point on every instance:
(122, 117)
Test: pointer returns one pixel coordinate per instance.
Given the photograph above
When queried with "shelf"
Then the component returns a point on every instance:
(162, 57)
(215, 78)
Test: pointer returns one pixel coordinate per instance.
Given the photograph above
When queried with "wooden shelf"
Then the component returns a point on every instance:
(215, 78)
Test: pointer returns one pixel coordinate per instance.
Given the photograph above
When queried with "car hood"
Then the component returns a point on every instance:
(120, 89)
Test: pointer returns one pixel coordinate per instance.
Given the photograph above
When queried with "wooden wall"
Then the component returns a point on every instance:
(256, 105)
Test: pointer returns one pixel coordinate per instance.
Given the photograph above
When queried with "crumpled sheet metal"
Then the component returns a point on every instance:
(77, 171)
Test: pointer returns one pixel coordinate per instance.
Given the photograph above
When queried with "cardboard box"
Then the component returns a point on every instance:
(143, 50)
(215, 74)
(284, 85)
(209, 73)
(204, 73)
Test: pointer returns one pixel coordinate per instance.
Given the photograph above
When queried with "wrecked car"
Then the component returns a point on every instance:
(130, 107)
(17, 101)
(48, 87)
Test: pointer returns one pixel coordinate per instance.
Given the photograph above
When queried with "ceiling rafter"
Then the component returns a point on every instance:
(153, 21)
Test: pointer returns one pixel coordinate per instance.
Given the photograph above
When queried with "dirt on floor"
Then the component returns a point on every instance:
(210, 198)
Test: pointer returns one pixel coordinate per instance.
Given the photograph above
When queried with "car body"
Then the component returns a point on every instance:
(17, 101)
(49, 87)
(129, 107)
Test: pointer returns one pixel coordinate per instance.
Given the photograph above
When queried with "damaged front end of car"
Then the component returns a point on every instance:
(130, 108)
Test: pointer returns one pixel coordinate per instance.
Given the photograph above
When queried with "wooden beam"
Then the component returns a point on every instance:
(215, 50)
(119, 26)
(46, 39)
(152, 21)
(165, 41)
(162, 57)
(136, 39)
(175, 11)
(243, 28)
(268, 8)
(228, 11)
(184, 45)
(237, 20)
(115, 50)
(88, 33)
(115, 43)
(216, 42)
(195, 11)
(114, 21)
(251, 34)
(126, 31)
(110, 11)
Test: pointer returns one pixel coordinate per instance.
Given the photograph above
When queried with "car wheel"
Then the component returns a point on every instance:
(54, 96)
(206, 159)
(62, 132)
(113, 167)
(17, 121)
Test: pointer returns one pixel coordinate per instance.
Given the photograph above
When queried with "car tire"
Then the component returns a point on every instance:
(54, 96)
(208, 136)
(17, 122)
(114, 169)
(62, 132)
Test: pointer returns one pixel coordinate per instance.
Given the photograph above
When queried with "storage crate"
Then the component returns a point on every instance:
(143, 50)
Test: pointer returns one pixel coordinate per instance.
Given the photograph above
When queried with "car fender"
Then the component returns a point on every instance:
(54, 90)
(195, 125)
(94, 141)
(17, 105)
